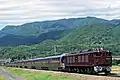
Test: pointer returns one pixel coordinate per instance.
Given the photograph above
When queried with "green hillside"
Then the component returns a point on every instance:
(17, 40)
(95, 36)
(80, 38)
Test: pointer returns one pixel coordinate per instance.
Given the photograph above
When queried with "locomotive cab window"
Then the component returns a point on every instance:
(98, 54)
(108, 53)
(104, 54)
(63, 59)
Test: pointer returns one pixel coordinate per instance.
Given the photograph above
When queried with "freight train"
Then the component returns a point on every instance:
(91, 61)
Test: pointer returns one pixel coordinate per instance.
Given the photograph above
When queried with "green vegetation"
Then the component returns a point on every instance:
(16, 40)
(41, 75)
(49, 75)
(87, 37)
(116, 62)
(116, 69)
(2, 77)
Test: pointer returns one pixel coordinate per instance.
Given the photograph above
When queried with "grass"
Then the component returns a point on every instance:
(43, 75)
(2, 77)
(116, 68)
(39, 75)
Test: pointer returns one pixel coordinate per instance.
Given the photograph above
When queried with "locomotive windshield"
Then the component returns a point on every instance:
(98, 54)
(62, 59)
(108, 53)
(102, 54)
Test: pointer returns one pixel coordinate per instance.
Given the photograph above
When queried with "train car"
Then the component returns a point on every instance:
(89, 62)
(11, 64)
(46, 63)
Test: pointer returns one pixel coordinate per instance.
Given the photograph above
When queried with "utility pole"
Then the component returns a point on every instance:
(55, 49)
(30, 55)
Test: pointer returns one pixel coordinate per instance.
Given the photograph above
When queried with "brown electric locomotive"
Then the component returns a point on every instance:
(89, 61)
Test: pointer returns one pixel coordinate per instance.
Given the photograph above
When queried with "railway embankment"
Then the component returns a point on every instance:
(32, 74)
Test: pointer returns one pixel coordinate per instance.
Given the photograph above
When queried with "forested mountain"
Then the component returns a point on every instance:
(75, 34)
(16, 40)
(37, 28)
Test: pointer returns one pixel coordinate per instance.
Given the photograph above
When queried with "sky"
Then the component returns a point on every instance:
(17, 12)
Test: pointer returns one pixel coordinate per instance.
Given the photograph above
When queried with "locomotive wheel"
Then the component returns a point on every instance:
(75, 69)
(78, 70)
(91, 71)
(88, 70)
(107, 72)
(81, 71)
(69, 69)
(66, 69)
(72, 69)
(84, 70)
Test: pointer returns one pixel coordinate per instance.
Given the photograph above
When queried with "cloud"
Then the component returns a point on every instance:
(23, 11)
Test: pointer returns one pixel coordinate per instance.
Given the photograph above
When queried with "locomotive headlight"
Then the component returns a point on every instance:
(98, 68)
(108, 68)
